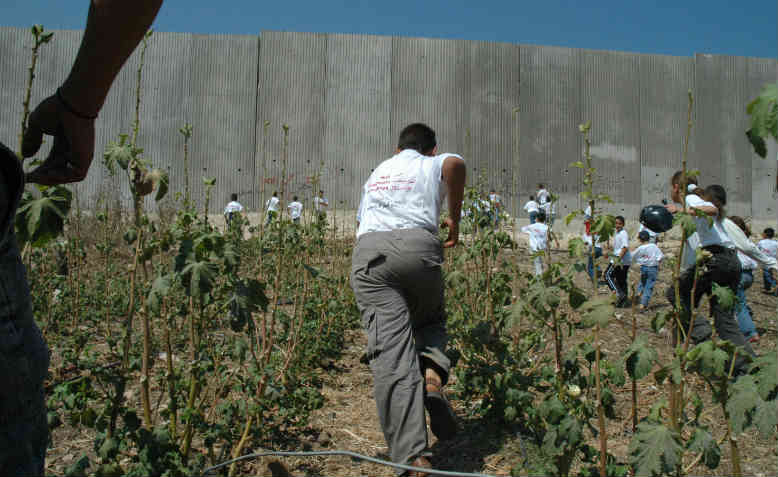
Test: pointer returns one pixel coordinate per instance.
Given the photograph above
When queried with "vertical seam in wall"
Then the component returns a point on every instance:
(640, 134)
(254, 181)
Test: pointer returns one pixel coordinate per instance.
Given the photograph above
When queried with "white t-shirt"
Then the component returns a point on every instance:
(588, 212)
(403, 192)
(689, 258)
(620, 242)
(651, 234)
(295, 209)
(272, 204)
(233, 206)
(647, 255)
(538, 236)
(769, 247)
(708, 234)
(320, 204)
(746, 262)
(542, 196)
(531, 206)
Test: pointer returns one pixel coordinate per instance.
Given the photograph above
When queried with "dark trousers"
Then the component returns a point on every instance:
(616, 276)
(723, 269)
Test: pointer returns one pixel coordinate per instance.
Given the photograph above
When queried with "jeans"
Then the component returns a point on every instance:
(769, 281)
(647, 280)
(590, 264)
(532, 217)
(742, 310)
(270, 216)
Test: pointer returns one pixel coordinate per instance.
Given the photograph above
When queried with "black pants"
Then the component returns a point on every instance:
(723, 269)
(616, 276)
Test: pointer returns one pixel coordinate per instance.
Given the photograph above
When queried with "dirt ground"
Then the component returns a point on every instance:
(348, 419)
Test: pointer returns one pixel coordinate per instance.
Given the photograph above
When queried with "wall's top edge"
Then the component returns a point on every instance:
(587, 50)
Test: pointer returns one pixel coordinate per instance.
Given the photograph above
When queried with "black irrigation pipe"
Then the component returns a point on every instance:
(353, 455)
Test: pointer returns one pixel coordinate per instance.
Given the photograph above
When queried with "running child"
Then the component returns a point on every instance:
(532, 209)
(618, 269)
(295, 209)
(538, 239)
(769, 246)
(648, 256)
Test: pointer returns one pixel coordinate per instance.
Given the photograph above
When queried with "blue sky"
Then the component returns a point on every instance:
(672, 27)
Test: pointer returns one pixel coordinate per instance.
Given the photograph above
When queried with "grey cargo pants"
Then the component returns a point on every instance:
(398, 284)
(24, 358)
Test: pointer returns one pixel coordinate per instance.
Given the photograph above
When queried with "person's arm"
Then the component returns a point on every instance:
(113, 30)
(748, 247)
(454, 174)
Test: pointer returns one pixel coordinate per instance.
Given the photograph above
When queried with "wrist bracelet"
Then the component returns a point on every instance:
(70, 108)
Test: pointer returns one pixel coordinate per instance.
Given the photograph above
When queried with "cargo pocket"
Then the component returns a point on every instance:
(370, 323)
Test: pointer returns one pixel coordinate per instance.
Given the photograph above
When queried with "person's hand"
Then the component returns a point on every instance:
(672, 208)
(453, 232)
(74, 143)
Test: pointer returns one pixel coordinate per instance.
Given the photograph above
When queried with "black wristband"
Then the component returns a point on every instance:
(72, 110)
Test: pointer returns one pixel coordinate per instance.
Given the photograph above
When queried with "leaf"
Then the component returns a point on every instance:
(198, 278)
(78, 468)
(598, 311)
(640, 358)
(757, 142)
(248, 296)
(209, 182)
(159, 289)
(686, 221)
(120, 153)
(160, 181)
(40, 220)
(746, 407)
(725, 296)
(765, 370)
(703, 442)
(576, 247)
(659, 320)
(764, 118)
(130, 235)
(672, 371)
(603, 226)
(709, 359)
(655, 450)
(577, 298)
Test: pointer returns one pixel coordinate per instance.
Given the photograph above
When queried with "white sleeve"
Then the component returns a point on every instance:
(746, 246)
(526, 229)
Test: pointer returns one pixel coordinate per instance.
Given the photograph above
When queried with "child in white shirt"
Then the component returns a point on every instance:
(532, 208)
(616, 274)
(769, 246)
(538, 239)
(233, 207)
(648, 256)
(295, 209)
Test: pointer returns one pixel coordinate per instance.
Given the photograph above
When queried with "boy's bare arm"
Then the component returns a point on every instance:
(454, 174)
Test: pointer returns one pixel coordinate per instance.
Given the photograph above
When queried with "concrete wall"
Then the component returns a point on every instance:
(512, 110)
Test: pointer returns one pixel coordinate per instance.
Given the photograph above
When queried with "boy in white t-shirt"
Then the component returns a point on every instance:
(397, 278)
(648, 256)
(532, 207)
(233, 207)
(538, 239)
(320, 204)
(769, 246)
(271, 208)
(618, 269)
(295, 209)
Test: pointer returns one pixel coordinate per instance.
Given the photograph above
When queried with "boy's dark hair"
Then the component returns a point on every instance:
(275, 193)
(321, 192)
(769, 232)
(491, 190)
(718, 195)
(532, 197)
(417, 136)
(541, 185)
(643, 236)
(294, 198)
(676, 179)
(620, 217)
(234, 196)
(541, 217)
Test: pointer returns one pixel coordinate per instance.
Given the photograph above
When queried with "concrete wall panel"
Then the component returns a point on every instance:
(494, 94)
(610, 83)
(291, 91)
(357, 112)
(550, 114)
(664, 85)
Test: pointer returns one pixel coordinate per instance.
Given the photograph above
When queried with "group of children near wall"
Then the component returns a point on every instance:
(724, 233)
(273, 207)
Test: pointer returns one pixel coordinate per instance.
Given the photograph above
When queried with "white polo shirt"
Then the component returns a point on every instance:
(531, 206)
(620, 242)
(295, 210)
(272, 204)
(233, 206)
(709, 234)
(403, 192)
